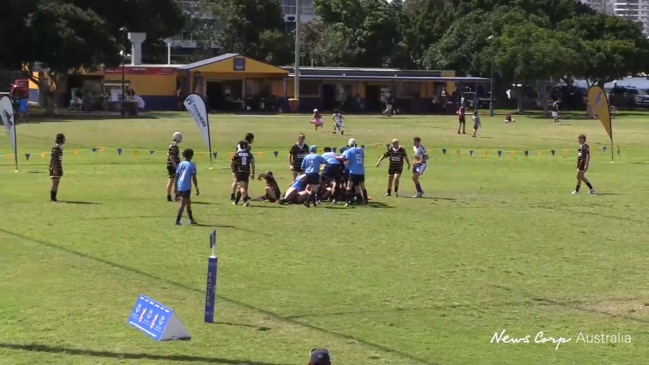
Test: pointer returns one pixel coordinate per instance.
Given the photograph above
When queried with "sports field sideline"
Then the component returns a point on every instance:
(497, 243)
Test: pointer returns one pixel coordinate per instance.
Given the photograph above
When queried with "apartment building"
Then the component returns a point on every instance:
(634, 10)
(289, 8)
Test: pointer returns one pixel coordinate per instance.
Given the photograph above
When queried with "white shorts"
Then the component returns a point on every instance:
(419, 169)
(555, 114)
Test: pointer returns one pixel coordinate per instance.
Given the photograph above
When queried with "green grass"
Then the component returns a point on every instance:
(498, 244)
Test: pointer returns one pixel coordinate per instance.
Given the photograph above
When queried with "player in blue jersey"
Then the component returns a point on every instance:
(297, 192)
(332, 175)
(185, 175)
(355, 160)
(311, 167)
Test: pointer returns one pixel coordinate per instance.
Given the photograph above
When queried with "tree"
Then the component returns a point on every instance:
(65, 37)
(254, 29)
(328, 44)
(372, 26)
(159, 19)
(13, 38)
(610, 47)
(421, 25)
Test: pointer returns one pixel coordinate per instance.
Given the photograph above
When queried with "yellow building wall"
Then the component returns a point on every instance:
(450, 86)
(150, 85)
(252, 67)
(237, 76)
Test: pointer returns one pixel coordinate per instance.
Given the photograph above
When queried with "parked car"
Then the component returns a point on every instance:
(642, 99)
(623, 96)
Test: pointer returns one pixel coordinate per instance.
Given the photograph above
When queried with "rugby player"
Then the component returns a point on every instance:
(332, 175)
(311, 167)
(297, 192)
(186, 173)
(244, 167)
(583, 159)
(296, 155)
(273, 194)
(354, 158)
(250, 138)
(397, 155)
(339, 122)
(173, 159)
(56, 166)
(419, 167)
(461, 117)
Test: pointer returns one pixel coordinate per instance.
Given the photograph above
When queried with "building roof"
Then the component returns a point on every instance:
(388, 78)
(347, 72)
(209, 61)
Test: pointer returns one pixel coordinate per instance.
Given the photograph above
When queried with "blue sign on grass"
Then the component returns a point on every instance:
(156, 320)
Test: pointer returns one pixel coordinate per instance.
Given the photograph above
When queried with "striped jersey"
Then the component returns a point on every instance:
(298, 153)
(583, 157)
(241, 161)
(56, 159)
(397, 157)
(173, 154)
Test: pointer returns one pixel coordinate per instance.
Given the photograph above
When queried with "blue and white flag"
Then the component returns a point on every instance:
(195, 105)
(7, 116)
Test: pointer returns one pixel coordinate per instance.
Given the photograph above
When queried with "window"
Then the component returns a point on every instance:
(408, 89)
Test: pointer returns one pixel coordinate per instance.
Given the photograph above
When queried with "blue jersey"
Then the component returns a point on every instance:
(300, 183)
(311, 163)
(356, 158)
(184, 173)
(331, 158)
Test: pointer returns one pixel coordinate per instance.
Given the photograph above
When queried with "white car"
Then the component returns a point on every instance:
(642, 98)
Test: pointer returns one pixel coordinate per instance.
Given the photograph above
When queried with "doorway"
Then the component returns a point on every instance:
(215, 96)
(329, 97)
(373, 98)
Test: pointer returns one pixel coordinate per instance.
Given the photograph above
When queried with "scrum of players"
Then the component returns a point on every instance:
(333, 176)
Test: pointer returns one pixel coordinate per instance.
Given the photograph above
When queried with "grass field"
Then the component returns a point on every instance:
(497, 244)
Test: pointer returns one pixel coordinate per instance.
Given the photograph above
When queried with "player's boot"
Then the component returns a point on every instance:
(575, 192)
(179, 224)
(418, 195)
(342, 133)
(592, 191)
(192, 222)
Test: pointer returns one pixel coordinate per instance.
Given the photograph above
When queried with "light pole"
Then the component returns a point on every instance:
(296, 78)
(123, 32)
(491, 93)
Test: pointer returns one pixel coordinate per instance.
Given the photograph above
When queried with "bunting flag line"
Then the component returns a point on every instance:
(97, 151)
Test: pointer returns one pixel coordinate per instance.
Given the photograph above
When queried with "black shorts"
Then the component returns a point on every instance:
(313, 179)
(171, 171)
(185, 194)
(462, 120)
(395, 171)
(242, 176)
(356, 179)
(56, 174)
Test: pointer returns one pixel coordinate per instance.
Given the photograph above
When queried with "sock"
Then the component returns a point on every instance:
(365, 196)
(418, 186)
(238, 196)
(52, 195)
(168, 197)
(232, 196)
(178, 217)
(396, 188)
(359, 198)
(390, 191)
(316, 197)
(189, 213)
(577, 188)
(55, 193)
(348, 196)
(590, 186)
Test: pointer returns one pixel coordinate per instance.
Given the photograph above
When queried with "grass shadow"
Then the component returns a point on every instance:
(78, 202)
(598, 193)
(201, 203)
(439, 198)
(35, 172)
(380, 205)
(262, 329)
(183, 359)
(274, 206)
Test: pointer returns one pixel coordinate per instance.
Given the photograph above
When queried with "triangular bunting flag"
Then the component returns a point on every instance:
(102, 149)
(471, 153)
(335, 149)
(500, 153)
(136, 152)
(77, 152)
(565, 153)
(119, 151)
(44, 154)
(214, 154)
(363, 146)
(10, 157)
(377, 145)
(553, 152)
(618, 150)
(513, 153)
(604, 149)
(527, 153)
(28, 155)
(200, 155)
(277, 153)
(151, 152)
(539, 152)
(430, 150)
(444, 150)
(230, 154)
(94, 150)
(320, 151)
(260, 154)
(485, 153)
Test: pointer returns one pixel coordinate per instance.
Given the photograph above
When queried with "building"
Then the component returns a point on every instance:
(198, 35)
(289, 8)
(634, 10)
(602, 6)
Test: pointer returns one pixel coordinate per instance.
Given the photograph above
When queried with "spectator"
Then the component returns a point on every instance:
(320, 357)
(23, 108)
